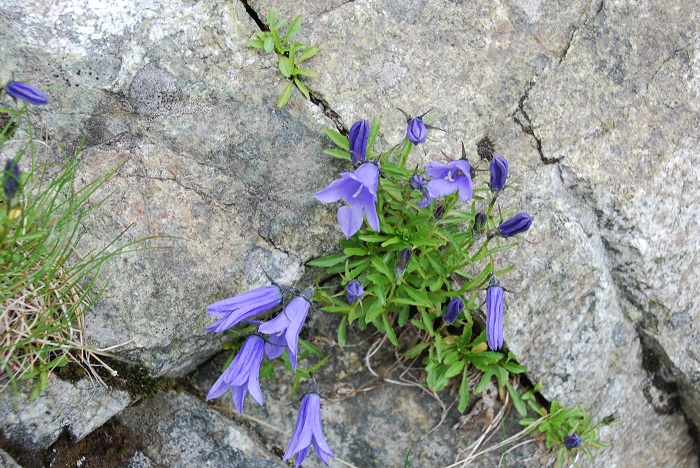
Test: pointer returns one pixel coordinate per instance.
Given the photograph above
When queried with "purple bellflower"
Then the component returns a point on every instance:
(499, 173)
(419, 182)
(359, 134)
(26, 93)
(242, 374)
(354, 291)
(573, 441)
(518, 224)
(11, 179)
(275, 345)
(450, 177)
(288, 324)
(236, 309)
(454, 308)
(494, 315)
(359, 190)
(308, 429)
(416, 132)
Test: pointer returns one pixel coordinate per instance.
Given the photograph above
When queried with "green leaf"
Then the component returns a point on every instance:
(307, 54)
(419, 296)
(464, 391)
(374, 311)
(293, 29)
(376, 278)
(485, 379)
(381, 267)
(271, 17)
(285, 67)
(373, 132)
(360, 252)
(282, 22)
(302, 88)
(389, 330)
(427, 321)
(517, 401)
(454, 369)
(257, 43)
(339, 140)
(285, 96)
(416, 350)
(501, 376)
(328, 260)
(269, 44)
(514, 368)
(342, 332)
(336, 153)
(304, 72)
(310, 348)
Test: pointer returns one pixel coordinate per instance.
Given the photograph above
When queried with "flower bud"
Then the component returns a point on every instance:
(479, 225)
(359, 134)
(454, 308)
(11, 179)
(518, 224)
(26, 93)
(418, 181)
(402, 261)
(417, 131)
(499, 173)
(354, 291)
(573, 441)
(494, 315)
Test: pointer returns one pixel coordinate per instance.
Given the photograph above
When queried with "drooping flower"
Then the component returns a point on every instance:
(416, 132)
(308, 430)
(354, 291)
(494, 315)
(236, 309)
(359, 134)
(289, 323)
(359, 190)
(275, 345)
(402, 261)
(11, 179)
(26, 93)
(242, 375)
(518, 224)
(499, 173)
(479, 225)
(450, 177)
(572, 441)
(454, 308)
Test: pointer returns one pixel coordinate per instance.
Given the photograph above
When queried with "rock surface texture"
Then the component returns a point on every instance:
(595, 103)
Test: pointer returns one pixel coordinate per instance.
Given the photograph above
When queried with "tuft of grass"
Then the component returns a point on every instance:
(46, 282)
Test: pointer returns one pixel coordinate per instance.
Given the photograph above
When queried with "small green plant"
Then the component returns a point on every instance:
(290, 53)
(46, 285)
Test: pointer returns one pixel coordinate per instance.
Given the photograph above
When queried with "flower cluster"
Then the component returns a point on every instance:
(243, 374)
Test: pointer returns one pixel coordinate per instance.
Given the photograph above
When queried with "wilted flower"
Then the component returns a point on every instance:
(479, 224)
(236, 309)
(417, 132)
(418, 181)
(308, 429)
(354, 291)
(359, 190)
(450, 177)
(359, 134)
(11, 179)
(289, 322)
(518, 224)
(242, 374)
(454, 308)
(573, 441)
(403, 261)
(494, 315)
(26, 93)
(499, 173)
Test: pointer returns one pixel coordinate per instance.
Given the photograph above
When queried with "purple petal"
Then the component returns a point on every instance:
(276, 325)
(297, 311)
(437, 170)
(368, 175)
(275, 346)
(465, 188)
(238, 395)
(350, 220)
(494, 317)
(301, 456)
(338, 189)
(441, 188)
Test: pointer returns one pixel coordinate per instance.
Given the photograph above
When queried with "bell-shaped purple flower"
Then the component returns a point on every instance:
(289, 323)
(11, 179)
(26, 93)
(419, 182)
(518, 224)
(359, 134)
(354, 291)
(454, 308)
(359, 190)
(308, 430)
(236, 309)
(242, 374)
(494, 315)
(499, 173)
(450, 177)
(572, 441)
(417, 132)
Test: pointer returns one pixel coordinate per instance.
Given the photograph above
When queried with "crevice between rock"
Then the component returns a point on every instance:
(316, 98)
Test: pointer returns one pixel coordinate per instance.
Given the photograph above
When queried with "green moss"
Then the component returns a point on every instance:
(134, 379)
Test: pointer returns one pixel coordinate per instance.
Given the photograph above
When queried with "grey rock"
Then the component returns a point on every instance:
(179, 430)
(7, 461)
(79, 408)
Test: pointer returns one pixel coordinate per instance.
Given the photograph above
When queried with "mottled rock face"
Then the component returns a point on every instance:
(595, 105)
